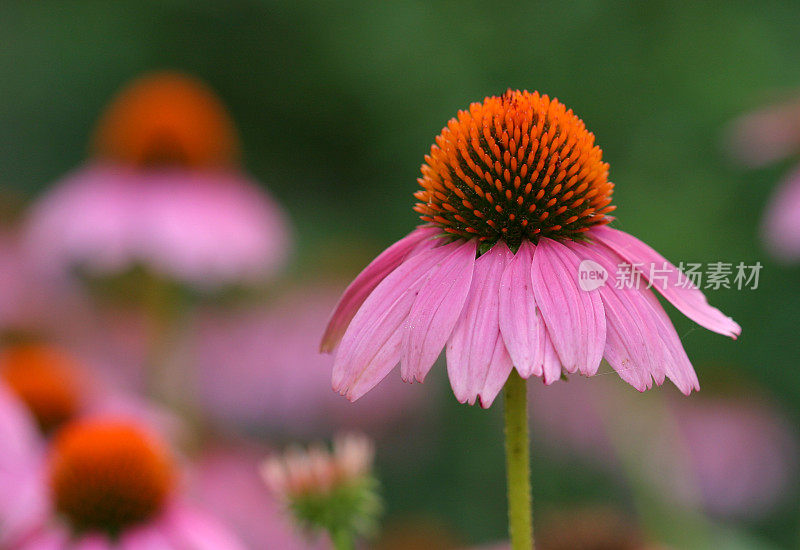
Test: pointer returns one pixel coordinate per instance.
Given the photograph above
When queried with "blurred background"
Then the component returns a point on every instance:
(336, 104)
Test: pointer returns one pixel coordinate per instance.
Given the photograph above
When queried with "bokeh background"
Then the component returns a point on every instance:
(338, 102)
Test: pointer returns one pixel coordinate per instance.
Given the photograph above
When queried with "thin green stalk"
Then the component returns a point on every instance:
(520, 517)
(167, 377)
(342, 539)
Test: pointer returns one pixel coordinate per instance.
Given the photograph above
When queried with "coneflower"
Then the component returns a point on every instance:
(515, 202)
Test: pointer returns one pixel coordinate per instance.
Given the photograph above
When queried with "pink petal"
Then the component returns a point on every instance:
(679, 369)
(689, 299)
(436, 310)
(203, 227)
(372, 345)
(551, 367)
(633, 348)
(98, 542)
(100, 237)
(18, 431)
(519, 322)
(189, 529)
(472, 349)
(641, 343)
(575, 319)
(24, 501)
(146, 537)
(368, 279)
(499, 369)
(209, 227)
(56, 538)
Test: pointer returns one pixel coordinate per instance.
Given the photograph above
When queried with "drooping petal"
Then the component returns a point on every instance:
(372, 344)
(471, 349)
(436, 310)
(679, 369)
(551, 364)
(519, 323)
(574, 318)
(500, 367)
(681, 293)
(366, 281)
(633, 348)
(641, 343)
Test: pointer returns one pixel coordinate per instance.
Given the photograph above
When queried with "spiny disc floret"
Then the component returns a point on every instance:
(519, 166)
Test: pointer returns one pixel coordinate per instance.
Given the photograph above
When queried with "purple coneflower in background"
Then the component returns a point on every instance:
(763, 137)
(112, 484)
(734, 456)
(516, 197)
(163, 190)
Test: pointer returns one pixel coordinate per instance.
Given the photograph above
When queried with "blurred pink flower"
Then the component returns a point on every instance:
(782, 219)
(260, 369)
(225, 481)
(762, 137)
(742, 452)
(111, 483)
(766, 135)
(732, 456)
(164, 191)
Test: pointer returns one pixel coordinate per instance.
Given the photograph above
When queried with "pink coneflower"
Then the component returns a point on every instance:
(763, 137)
(163, 190)
(113, 484)
(516, 197)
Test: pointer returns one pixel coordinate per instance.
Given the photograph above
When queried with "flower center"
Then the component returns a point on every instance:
(167, 119)
(44, 379)
(515, 167)
(107, 475)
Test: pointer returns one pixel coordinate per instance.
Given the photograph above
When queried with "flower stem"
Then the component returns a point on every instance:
(520, 524)
(342, 539)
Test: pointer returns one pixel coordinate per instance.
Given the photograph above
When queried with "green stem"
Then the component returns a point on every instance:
(342, 539)
(520, 524)
(159, 307)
